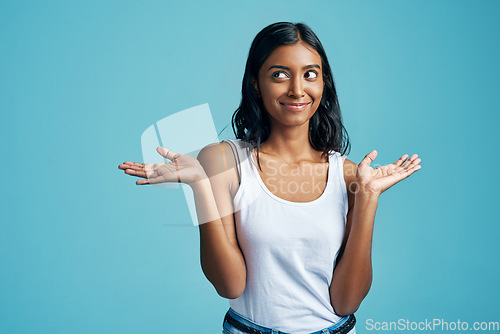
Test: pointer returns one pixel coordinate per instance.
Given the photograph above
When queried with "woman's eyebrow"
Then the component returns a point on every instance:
(288, 68)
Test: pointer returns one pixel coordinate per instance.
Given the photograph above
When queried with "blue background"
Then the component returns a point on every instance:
(85, 250)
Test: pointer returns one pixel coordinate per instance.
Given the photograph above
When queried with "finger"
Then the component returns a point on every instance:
(129, 164)
(410, 160)
(166, 153)
(410, 166)
(398, 162)
(131, 168)
(415, 162)
(368, 159)
(135, 172)
(144, 171)
(136, 168)
(410, 163)
(141, 182)
(138, 164)
(404, 173)
(412, 170)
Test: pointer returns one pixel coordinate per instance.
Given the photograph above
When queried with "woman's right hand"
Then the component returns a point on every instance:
(183, 168)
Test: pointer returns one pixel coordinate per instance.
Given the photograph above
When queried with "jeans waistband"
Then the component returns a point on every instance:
(343, 326)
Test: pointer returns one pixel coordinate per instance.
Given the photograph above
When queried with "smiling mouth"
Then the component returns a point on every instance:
(295, 106)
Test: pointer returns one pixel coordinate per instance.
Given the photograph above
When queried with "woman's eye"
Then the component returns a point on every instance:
(277, 75)
(313, 76)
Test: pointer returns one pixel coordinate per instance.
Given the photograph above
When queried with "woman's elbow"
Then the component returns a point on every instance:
(345, 304)
(345, 309)
(347, 300)
(228, 285)
(232, 292)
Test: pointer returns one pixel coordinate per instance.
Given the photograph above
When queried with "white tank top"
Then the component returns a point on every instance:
(290, 249)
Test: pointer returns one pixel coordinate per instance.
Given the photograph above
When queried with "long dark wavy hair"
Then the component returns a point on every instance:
(250, 121)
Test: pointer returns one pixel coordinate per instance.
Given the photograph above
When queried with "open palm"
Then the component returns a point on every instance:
(377, 180)
(183, 168)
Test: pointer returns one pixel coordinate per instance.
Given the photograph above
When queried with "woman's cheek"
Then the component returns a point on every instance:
(318, 91)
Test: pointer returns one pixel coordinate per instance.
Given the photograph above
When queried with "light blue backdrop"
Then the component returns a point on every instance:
(85, 250)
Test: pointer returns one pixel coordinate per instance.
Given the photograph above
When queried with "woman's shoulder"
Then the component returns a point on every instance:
(219, 162)
(350, 169)
(217, 157)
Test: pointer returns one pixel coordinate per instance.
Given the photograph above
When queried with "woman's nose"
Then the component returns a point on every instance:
(296, 88)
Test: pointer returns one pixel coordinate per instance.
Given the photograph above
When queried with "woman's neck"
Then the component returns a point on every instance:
(290, 144)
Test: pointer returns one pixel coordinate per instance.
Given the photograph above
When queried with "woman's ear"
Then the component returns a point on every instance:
(256, 86)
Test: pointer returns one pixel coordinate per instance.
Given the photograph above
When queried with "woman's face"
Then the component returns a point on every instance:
(291, 84)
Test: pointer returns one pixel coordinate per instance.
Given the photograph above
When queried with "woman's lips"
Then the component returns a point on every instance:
(294, 106)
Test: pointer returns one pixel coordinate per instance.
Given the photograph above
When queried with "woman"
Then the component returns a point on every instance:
(286, 221)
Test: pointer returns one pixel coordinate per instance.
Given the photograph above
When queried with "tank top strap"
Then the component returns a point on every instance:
(241, 151)
(337, 167)
(236, 154)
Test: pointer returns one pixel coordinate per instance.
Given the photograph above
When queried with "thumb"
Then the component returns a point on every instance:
(166, 153)
(368, 159)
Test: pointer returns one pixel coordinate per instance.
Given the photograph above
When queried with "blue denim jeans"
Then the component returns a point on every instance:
(235, 323)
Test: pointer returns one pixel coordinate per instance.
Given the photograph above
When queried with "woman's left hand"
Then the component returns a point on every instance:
(376, 181)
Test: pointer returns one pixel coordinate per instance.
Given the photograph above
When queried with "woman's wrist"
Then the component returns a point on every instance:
(362, 190)
(200, 183)
(366, 194)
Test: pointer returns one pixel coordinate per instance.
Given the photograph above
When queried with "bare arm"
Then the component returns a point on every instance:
(352, 276)
(222, 261)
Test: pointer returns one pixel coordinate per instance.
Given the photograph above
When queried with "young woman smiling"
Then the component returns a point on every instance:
(286, 221)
